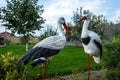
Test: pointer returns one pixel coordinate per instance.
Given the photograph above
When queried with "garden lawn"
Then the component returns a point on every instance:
(69, 60)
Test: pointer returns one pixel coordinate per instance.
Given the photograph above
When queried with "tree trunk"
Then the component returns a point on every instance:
(26, 46)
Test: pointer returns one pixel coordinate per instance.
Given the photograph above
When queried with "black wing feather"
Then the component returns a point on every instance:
(37, 52)
(25, 58)
(99, 46)
(86, 40)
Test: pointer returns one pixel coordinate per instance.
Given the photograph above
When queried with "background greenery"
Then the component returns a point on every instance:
(71, 59)
(112, 57)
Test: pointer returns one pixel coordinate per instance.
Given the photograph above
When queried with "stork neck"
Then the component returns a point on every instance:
(60, 30)
(85, 28)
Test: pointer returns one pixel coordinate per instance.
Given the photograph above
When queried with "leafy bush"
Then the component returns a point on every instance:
(116, 34)
(112, 59)
(113, 74)
(9, 70)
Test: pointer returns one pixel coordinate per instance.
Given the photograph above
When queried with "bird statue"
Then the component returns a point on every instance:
(48, 47)
(91, 41)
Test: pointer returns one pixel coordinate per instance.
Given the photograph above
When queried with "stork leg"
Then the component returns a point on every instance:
(40, 66)
(89, 63)
(45, 69)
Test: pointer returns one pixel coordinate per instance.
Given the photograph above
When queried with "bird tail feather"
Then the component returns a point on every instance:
(99, 46)
(96, 59)
(25, 59)
(40, 60)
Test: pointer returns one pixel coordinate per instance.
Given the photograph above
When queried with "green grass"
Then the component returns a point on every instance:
(69, 60)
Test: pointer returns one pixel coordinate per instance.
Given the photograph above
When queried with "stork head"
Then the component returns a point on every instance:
(61, 21)
(87, 16)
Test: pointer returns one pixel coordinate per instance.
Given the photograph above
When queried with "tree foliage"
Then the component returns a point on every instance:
(22, 16)
(49, 32)
(76, 29)
(97, 23)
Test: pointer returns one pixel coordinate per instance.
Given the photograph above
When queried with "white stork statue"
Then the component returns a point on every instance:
(46, 48)
(91, 41)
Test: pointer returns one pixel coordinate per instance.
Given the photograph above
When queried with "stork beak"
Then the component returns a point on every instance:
(65, 27)
(81, 19)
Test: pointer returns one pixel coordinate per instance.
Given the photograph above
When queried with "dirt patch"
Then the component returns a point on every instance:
(95, 75)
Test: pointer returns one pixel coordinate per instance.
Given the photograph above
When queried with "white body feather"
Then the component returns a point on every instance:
(52, 42)
(91, 48)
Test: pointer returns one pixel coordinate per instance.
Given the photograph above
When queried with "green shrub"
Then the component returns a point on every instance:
(113, 74)
(9, 70)
(112, 59)
(112, 54)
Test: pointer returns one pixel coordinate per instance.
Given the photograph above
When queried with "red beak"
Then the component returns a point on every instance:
(83, 18)
(64, 24)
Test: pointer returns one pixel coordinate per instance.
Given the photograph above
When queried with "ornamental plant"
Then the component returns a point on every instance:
(9, 69)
